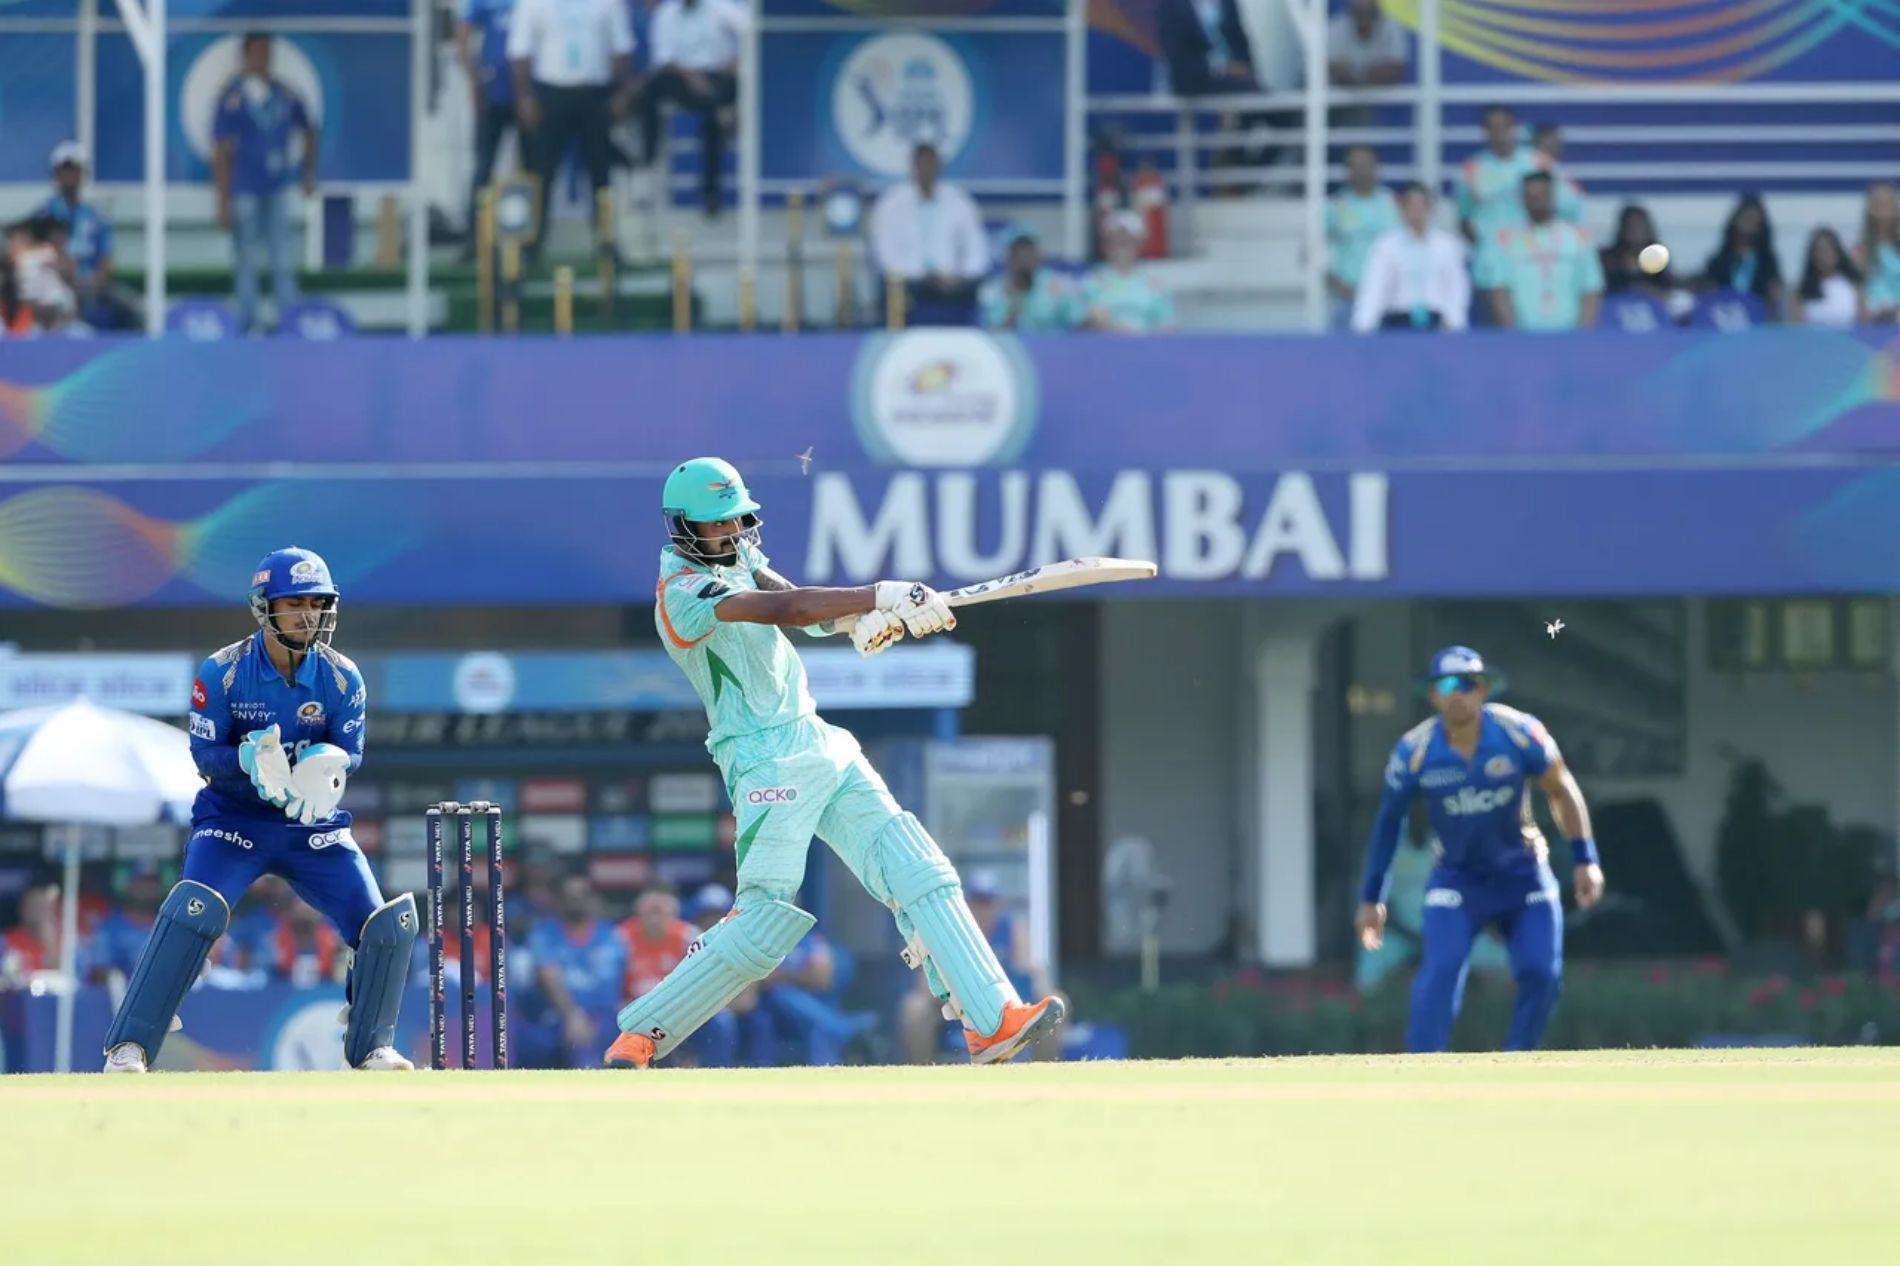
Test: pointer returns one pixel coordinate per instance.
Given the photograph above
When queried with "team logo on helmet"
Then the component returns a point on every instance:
(307, 572)
(727, 489)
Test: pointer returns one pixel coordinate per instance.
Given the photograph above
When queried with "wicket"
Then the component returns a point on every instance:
(465, 815)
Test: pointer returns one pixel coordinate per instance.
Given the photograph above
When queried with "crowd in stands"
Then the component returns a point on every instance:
(573, 963)
(56, 265)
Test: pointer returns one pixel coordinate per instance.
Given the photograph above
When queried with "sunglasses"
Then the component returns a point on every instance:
(1457, 684)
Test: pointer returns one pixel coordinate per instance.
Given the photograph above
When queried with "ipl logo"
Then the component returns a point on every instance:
(897, 91)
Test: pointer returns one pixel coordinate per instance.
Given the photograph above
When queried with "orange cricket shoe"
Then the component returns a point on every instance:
(1024, 1024)
(630, 1050)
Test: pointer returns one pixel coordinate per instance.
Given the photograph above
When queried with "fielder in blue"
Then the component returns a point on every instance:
(1472, 763)
(276, 728)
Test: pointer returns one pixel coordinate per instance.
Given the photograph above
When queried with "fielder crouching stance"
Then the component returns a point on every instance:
(276, 729)
(721, 612)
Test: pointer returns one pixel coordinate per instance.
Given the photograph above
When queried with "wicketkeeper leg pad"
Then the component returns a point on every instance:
(745, 946)
(189, 922)
(377, 976)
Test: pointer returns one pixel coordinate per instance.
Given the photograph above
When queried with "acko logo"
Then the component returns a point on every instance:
(324, 839)
(1470, 801)
(1444, 898)
(772, 795)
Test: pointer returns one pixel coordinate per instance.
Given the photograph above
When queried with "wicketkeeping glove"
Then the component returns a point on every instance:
(262, 756)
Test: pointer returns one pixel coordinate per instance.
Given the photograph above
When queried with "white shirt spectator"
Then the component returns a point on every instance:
(913, 236)
(1408, 273)
(703, 37)
(570, 43)
(1838, 308)
(1343, 45)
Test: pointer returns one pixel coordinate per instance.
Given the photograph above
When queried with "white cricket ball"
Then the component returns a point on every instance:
(1653, 258)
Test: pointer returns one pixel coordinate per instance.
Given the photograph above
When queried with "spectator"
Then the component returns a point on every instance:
(1746, 260)
(33, 945)
(711, 903)
(1026, 297)
(1415, 275)
(114, 946)
(258, 124)
(1490, 184)
(695, 66)
(1544, 275)
(1878, 254)
(88, 241)
(1117, 295)
(581, 967)
(1634, 231)
(799, 1008)
(1548, 140)
(1205, 45)
(1829, 294)
(481, 45)
(303, 951)
(656, 939)
(1365, 48)
(928, 232)
(568, 56)
(1355, 218)
(16, 318)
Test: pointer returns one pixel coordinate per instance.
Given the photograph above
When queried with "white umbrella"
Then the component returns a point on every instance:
(84, 765)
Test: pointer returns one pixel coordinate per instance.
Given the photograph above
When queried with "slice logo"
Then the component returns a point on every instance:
(1470, 801)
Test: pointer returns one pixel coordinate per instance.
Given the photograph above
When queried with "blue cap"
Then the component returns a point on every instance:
(1457, 661)
(289, 573)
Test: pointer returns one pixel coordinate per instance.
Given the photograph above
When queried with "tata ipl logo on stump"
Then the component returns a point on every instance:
(898, 91)
(944, 397)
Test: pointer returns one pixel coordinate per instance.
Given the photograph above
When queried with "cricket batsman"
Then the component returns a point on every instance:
(276, 729)
(722, 612)
(1472, 763)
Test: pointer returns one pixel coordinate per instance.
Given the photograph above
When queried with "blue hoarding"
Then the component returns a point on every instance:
(529, 471)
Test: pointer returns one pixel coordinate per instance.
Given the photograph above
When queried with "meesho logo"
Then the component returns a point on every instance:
(935, 397)
(897, 91)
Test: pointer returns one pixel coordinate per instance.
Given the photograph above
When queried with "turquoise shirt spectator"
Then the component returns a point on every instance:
(1883, 278)
(1547, 269)
(1353, 222)
(1050, 303)
(1129, 302)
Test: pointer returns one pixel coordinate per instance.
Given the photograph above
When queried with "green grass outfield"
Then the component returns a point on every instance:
(1607, 1159)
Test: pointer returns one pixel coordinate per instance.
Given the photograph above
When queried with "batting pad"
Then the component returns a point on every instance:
(189, 923)
(924, 885)
(376, 977)
(745, 946)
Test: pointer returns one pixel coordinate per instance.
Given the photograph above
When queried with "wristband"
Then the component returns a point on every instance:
(1583, 852)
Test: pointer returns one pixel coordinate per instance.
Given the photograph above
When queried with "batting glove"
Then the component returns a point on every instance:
(930, 614)
(876, 631)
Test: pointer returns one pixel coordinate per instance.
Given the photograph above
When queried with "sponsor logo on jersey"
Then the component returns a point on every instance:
(215, 833)
(310, 713)
(1441, 777)
(772, 795)
(251, 710)
(352, 725)
(1500, 767)
(324, 839)
(1444, 898)
(199, 698)
(1470, 802)
(202, 727)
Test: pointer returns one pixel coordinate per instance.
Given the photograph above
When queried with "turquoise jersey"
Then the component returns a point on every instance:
(1547, 268)
(1883, 277)
(1490, 189)
(1130, 301)
(1353, 223)
(748, 676)
(1050, 303)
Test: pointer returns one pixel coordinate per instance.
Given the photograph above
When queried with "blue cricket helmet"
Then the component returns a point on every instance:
(293, 573)
(1462, 661)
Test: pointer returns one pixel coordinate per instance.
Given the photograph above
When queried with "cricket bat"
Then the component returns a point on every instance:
(1071, 573)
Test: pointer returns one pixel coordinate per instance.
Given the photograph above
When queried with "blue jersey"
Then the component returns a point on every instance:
(259, 120)
(490, 19)
(593, 967)
(239, 690)
(1479, 808)
(88, 234)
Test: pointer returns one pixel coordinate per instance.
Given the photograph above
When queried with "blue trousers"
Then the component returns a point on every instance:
(260, 224)
(322, 865)
(1527, 909)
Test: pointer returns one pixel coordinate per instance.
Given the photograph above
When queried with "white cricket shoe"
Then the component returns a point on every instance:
(385, 1059)
(126, 1057)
